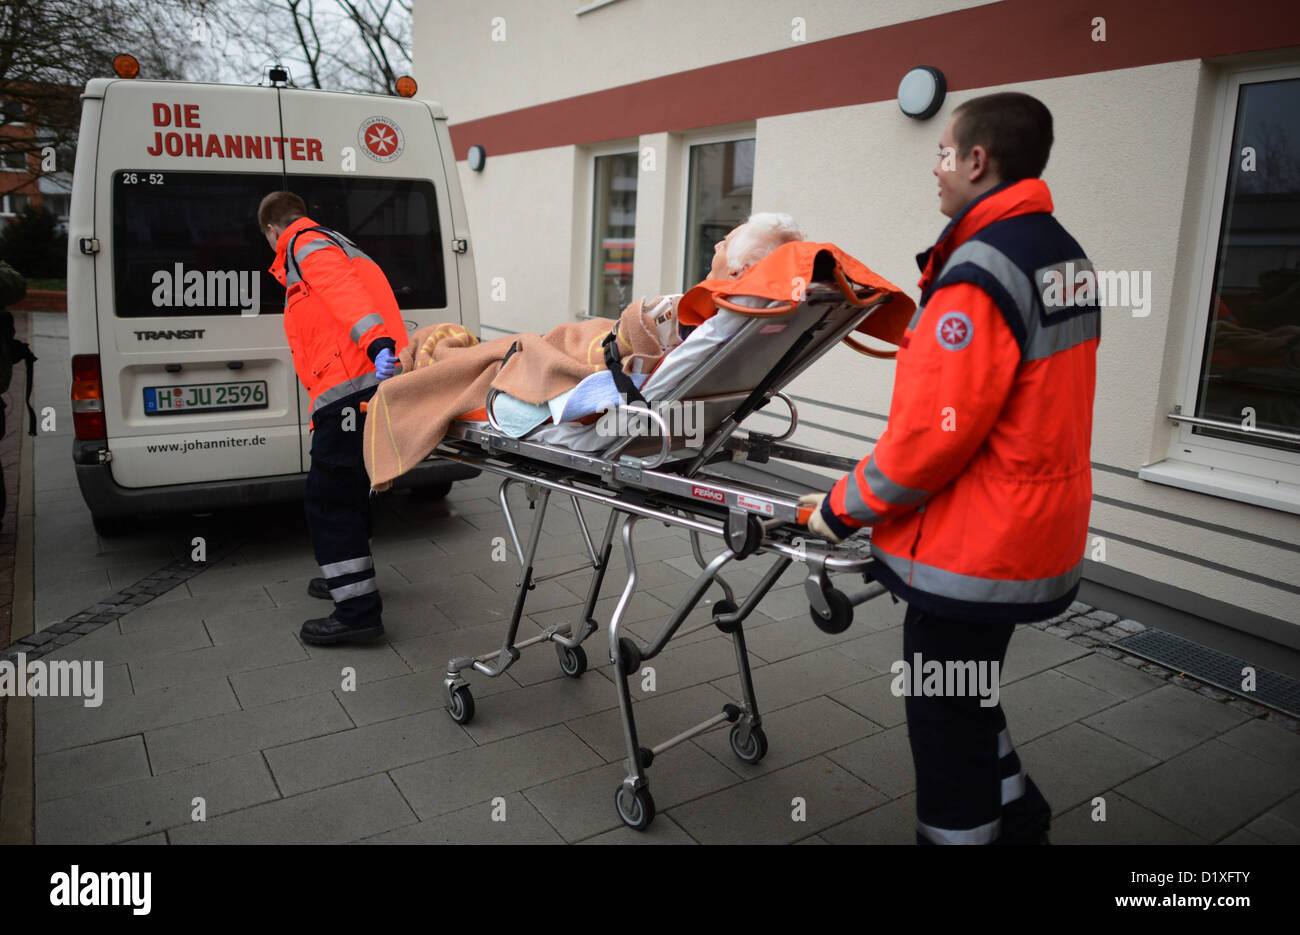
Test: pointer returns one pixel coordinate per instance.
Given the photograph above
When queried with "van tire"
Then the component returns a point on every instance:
(111, 527)
(431, 491)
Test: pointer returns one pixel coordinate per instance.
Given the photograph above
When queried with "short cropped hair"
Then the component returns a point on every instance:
(1015, 129)
(280, 209)
(763, 232)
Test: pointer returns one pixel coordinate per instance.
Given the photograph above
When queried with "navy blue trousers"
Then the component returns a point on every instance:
(970, 787)
(337, 501)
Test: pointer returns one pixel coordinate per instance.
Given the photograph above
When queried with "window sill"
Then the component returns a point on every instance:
(1231, 485)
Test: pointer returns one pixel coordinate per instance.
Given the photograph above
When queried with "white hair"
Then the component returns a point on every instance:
(763, 232)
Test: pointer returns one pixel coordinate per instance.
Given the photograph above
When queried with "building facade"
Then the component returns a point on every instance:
(624, 137)
(24, 182)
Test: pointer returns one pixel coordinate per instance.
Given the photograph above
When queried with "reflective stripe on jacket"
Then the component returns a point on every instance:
(978, 491)
(339, 311)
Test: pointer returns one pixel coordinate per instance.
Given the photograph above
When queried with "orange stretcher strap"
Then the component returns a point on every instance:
(847, 288)
(751, 310)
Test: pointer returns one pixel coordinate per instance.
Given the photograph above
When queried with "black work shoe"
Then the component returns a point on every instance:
(318, 588)
(327, 630)
(1026, 820)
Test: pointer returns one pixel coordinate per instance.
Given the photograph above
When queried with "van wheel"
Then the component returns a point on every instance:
(431, 491)
(110, 527)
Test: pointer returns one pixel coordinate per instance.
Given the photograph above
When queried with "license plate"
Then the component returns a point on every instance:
(204, 397)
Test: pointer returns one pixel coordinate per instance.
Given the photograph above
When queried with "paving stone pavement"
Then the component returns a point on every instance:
(219, 725)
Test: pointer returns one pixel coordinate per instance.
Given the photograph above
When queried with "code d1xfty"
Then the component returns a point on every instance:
(1213, 876)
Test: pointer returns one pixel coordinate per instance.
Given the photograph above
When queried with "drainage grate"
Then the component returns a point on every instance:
(1272, 689)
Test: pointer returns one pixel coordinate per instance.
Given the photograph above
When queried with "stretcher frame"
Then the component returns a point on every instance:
(688, 488)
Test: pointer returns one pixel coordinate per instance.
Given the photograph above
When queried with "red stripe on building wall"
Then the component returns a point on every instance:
(1002, 43)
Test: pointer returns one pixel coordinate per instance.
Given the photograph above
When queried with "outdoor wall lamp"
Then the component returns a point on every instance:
(921, 92)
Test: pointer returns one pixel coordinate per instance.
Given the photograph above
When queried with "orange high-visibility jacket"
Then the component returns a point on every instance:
(979, 489)
(339, 311)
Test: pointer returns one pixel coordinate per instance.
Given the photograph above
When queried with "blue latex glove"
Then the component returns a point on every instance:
(385, 364)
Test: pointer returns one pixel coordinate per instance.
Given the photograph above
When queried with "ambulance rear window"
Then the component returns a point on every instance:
(395, 221)
(186, 243)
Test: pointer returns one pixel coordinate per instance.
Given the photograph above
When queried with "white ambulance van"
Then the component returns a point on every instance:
(183, 391)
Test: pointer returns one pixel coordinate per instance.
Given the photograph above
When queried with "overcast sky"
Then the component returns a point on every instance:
(241, 38)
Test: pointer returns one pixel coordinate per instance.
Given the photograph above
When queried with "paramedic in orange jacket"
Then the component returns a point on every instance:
(344, 331)
(978, 491)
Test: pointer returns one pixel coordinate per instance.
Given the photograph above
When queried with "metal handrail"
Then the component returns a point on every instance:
(1233, 427)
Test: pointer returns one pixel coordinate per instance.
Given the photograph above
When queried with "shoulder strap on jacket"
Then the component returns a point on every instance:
(334, 236)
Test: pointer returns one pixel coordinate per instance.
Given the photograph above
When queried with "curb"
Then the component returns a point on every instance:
(17, 785)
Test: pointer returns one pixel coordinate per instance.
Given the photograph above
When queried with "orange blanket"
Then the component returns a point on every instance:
(447, 372)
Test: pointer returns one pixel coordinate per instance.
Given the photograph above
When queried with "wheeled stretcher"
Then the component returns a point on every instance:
(702, 484)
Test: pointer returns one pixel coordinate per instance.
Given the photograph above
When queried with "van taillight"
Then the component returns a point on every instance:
(87, 398)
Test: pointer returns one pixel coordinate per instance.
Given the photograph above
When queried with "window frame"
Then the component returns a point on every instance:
(1213, 454)
(732, 133)
(7, 209)
(627, 147)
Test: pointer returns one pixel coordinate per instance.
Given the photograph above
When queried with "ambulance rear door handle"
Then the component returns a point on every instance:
(89, 245)
(172, 368)
(460, 245)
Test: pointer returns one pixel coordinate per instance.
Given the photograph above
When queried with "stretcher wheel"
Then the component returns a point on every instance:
(629, 657)
(754, 750)
(722, 608)
(573, 662)
(744, 536)
(841, 613)
(642, 810)
(461, 708)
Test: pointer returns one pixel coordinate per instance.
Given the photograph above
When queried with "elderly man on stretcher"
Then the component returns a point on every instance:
(554, 388)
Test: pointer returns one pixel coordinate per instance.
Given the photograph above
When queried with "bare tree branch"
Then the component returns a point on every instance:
(49, 49)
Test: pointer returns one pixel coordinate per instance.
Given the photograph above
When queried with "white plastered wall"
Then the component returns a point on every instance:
(521, 220)
(458, 62)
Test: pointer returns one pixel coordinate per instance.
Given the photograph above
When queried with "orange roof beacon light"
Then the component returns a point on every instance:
(406, 86)
(125, 66)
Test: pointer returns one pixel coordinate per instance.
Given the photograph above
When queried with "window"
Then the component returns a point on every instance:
(11, 157)
(613, 233)
(179, 222)
(1237, 431)
(14, 204)
(719, 196)
(11, 112)
(57, 205)
(1250, 365)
